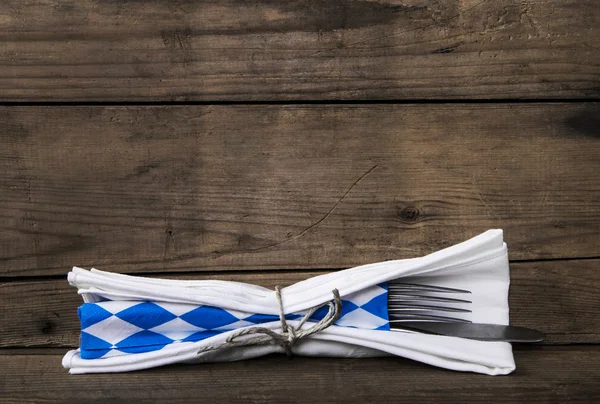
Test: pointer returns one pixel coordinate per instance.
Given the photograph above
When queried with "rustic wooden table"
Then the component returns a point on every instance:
(269, 141)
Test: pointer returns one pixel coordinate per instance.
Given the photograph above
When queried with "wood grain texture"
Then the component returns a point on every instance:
(557, 297)
(543, 375)
(61, 50)
(156, 189)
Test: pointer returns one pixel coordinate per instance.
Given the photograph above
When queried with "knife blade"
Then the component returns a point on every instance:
(476, 331)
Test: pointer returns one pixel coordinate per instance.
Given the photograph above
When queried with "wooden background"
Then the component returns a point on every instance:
(268, 141)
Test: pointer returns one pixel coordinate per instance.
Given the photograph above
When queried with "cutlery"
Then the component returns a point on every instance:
(445, 311)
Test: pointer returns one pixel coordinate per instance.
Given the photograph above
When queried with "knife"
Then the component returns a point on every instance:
(481, 332)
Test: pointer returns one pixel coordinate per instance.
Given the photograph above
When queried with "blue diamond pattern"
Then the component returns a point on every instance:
(100, 347)
(261, 318)
(199, 336)
(93, 353)
(266, 318)
(209, 317)
(347, 307)
(91, 313)
(146, 315)
(97, 343)
(377, 306)
(143, 338)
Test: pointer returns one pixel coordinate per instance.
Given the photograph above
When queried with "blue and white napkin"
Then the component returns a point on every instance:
(131, 323)
(119, 327)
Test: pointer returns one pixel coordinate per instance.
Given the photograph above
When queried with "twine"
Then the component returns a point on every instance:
(289, 335)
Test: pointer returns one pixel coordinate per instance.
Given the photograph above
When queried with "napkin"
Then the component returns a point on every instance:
(118, 327)
(131, 323)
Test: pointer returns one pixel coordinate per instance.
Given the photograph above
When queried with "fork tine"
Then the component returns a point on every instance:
(407, 292)
(428, 317)
(419, 302)
(400, 297)
(420, 287)
(401, 307)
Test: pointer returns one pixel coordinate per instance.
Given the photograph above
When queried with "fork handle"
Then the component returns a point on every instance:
(481, 332)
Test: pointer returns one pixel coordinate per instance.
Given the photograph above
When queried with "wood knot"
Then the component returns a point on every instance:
(48, 327)
(410, 214)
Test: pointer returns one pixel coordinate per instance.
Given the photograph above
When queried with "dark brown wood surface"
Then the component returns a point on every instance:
(557, 297)
(548, 374)
(241, 140)
(87, 50)
(188, 188)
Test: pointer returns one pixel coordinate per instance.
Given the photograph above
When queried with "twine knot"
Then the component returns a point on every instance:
(289, 335)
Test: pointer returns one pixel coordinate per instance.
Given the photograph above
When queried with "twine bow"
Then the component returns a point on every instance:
(289, 335)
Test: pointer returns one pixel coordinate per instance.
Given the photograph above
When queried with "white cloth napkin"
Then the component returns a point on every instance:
(120, 327)
(479, 265)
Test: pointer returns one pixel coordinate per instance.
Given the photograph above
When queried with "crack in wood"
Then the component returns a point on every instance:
(307, 229)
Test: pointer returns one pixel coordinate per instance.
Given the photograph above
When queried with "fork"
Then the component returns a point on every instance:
(442, 310)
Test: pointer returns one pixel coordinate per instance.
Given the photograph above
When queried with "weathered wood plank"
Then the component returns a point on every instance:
(155, 189)
(58, 50)
(557, 297)
(543, 375)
